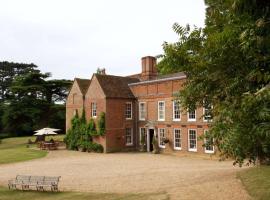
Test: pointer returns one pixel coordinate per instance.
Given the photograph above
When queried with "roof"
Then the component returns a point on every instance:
(160, 78)
(116, 86)
(83, 84)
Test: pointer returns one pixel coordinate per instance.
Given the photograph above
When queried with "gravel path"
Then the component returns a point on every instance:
(180, 177)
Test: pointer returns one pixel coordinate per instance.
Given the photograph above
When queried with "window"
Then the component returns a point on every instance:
(176, 111)
(161, 136)
(161, 111)
(142, 111)
(192, 140)
(94, 110)
(209, 148)
(192, 115)
(177, 139)
(207, 117)
(142, 135)
(75, 112)
(128, 110)
(129, 138)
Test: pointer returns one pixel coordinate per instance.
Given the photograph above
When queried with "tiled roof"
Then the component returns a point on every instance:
(116, 86)
(83, 84)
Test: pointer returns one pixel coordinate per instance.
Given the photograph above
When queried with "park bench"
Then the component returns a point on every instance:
(37, 182)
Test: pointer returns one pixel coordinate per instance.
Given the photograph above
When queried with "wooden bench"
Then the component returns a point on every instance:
(37, 182)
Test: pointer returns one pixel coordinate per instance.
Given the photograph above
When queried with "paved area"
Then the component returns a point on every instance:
(179, 177)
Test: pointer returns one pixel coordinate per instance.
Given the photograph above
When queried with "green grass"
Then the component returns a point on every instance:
(6, 194)
(15, 149)
(257, 182)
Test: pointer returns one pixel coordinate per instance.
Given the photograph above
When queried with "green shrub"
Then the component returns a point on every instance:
(98, 148)
(101, 124)
(91, 127)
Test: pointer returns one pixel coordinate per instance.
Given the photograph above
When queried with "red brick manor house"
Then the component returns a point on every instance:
(140, 106)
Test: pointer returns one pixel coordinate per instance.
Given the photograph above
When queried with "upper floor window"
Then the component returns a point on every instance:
(129, 137)
(94, 110)
(207, 115)
(161, 110)
(191, 115)
(176, 110)
(161, 137)
(128, 110)
(142, 110)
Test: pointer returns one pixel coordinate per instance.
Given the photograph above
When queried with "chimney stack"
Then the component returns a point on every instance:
(149, 70)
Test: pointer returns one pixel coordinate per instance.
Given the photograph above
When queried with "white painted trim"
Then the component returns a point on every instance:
(161, 146)
(130, 110)
(142, 119)
(158, 80)
(174, 119)
(208, 151)
(131, 134)
(164, 111)
(192, 120)
(177, 148)
(189, 149)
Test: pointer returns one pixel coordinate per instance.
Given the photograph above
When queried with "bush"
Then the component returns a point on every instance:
(101, 124)
(98, 148)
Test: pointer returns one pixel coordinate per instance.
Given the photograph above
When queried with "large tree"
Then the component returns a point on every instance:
(34, 102)
(228, 64)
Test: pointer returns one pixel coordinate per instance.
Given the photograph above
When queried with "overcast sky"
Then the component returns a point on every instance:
(71, 38)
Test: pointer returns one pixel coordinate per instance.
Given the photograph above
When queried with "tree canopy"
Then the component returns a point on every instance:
(228, 64)
(29, 100)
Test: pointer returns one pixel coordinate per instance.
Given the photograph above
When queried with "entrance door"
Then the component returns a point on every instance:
(150, 140)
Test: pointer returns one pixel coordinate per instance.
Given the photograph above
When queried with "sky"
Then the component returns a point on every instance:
(72, 38)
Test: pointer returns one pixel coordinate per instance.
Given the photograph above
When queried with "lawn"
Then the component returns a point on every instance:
(6, 194)
(16, 149)
(257, 182)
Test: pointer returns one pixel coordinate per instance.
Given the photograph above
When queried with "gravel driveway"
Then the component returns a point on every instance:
(179, 177)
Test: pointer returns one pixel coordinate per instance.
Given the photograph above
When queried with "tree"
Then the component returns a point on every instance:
(227, 63)
(34, 102)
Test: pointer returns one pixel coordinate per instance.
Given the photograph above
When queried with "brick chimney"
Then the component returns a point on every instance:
(149, 70)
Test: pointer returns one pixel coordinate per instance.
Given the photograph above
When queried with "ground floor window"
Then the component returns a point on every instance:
(129, 138)
(209, 148)
(192, 140)
(161, 136)
(142, 136)
(177, 139)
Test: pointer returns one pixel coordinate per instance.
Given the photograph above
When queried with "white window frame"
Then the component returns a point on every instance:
(164, 113)
(94, 105)
(159, 138)
(205, 150)
(174, 133)
(140, 110)
(176, 119)
(206, 120)
(145, 134)
(128, 103)
(192, 149)
(131, 137)
(192, 119)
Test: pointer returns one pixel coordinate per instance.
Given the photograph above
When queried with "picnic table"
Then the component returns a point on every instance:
(49, 145)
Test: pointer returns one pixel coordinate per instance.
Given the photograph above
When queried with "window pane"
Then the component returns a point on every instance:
(128, 111)
(192, 139)
(161, 110)
(176, 109)
(142, 111)
(161, 137)
(177, 138)
(128, 136)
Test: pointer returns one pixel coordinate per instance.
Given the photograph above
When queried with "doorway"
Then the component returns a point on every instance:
(150, 137)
